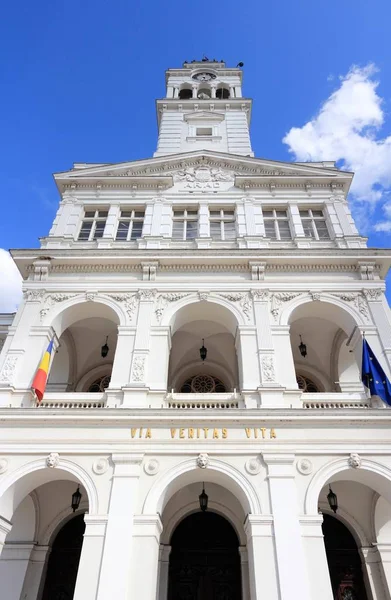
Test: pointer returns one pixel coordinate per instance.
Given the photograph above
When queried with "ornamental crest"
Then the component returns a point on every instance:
(203, 177)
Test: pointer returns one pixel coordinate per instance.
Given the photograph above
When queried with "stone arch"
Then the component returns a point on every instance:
(59, 521)
(352, 316)
(350, 522)
(18, 484)
(372, 474)
(215, 369)
(171, 311)
(65, 313)
(92, 375)
(187, 472)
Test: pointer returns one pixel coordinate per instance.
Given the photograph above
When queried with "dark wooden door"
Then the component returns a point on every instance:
(343, 560)
(204, 560)
(64, 561)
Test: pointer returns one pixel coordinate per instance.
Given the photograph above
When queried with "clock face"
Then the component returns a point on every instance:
(204, 76)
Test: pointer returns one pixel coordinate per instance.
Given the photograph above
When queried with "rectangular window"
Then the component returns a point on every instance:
(130, 225)
(185, 224)
(222, 224)
(93, 225)
(314, 224)
(277, 224)
(204, 131)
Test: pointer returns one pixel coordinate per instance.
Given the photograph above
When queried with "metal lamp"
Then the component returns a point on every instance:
(203, 497)
(203, 351)
(76, 497)
(332, 500)
(105, 349)
(302, 348)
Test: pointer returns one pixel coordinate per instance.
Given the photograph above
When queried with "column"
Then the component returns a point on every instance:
(297, 226)
(315, 551)
(110, 227)
(146, 540)
(284, 357)
(5, 528)
(194, 90)
(244, 573)
(292, 569)
(91, 557)
(114, 579)
(379, 311)
(385, 555)
(120, 374)
(203, 220)
(247, 351)
(213, 90)
(13, 566)
(73, 218)
(261, 558)
(371, 566)
(35, 574)
(164, 564)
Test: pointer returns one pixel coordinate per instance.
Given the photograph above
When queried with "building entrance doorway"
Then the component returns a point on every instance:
(204, 560)
(64, 561)
(343, 560)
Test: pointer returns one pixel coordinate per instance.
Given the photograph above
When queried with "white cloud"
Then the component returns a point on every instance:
(347, 129)
(11, 283)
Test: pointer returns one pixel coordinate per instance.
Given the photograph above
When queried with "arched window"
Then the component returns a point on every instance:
(203, 384)
(100, 384)
(222, 93)
(185, 94)
(306, 385)
(204, 94)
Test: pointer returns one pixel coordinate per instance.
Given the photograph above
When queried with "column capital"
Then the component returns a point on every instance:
(5, 528)
(243, 554)
(147, 526)
(258, 526)
(279, 466)
(127, 465)
(95, 525)
(164, 553)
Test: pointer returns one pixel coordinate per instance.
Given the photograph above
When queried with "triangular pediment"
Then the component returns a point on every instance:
(204, 116)
(164, 171)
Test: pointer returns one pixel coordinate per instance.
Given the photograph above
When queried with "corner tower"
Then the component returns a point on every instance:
(204, 110)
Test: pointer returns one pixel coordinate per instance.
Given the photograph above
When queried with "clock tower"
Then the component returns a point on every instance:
(204, 110)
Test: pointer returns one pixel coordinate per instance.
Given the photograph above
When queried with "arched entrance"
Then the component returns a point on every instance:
(204, 559)
(64, 561)
(343, 560)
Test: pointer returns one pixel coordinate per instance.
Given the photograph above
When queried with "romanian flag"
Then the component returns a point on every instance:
(41, 376)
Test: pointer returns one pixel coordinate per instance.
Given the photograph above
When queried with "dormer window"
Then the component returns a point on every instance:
(130, 226)
(204, 131)
(93, 225)
(314, 224)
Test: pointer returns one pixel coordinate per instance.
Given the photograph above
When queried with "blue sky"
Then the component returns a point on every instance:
(78, 83)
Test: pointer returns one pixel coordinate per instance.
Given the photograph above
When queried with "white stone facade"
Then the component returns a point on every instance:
(201, 244)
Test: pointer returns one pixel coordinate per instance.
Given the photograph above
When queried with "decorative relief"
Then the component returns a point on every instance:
(304, 466)
(53, 460)
(244, 300)
(3, 465)
(138, 368)
(260, 295)
(152, 467)
(100, 466)
(203, 296)
(268, 371)
(34, 295)
(164, 299)
(147, 295)
(130, 302)
(373, 295)
(278, 300)
(2, 342)
(354, 461)
(252, 466)
(202, 175)
(51, 300)
(203, 461)
(90, 296)
(357, 299)
(315, 296)
(8, 370)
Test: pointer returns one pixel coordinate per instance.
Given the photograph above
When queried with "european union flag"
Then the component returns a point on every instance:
(373, 376)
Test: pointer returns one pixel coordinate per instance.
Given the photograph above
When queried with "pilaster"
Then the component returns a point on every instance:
(263, 578)
(146, 540)
(164, 563)
(91, 557)
(315, 551)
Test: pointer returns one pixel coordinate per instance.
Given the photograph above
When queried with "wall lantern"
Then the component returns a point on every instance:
(203, 351)
(203, 497)
(302, 348)
(332, 500)
(76, 497)
(105, 349)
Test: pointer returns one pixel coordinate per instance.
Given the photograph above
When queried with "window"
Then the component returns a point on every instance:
(93, 225)
(222, 93)
(185, 94)
(130, 226)
(203, 384)
(306, 385)
(277, 224)
(204, 131)
(314, 224)
(185, 224)
(100, 384)
(222, 224)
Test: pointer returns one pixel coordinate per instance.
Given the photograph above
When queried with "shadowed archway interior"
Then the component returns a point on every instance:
(204, 559)
(343, 560)
(64, 561)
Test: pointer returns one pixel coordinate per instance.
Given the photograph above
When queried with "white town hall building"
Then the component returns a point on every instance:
(207, 310)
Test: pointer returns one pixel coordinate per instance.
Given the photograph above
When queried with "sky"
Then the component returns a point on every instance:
(78, 82)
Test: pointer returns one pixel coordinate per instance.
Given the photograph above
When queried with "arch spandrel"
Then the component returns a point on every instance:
(187, 472)
(229, 316)
(335, 310)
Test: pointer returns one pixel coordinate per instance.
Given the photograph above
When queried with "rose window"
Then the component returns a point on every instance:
(306, 385)
(203, 384)
(100, 384)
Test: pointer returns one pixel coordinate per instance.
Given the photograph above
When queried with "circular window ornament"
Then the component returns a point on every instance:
(306, 385)
(204, 76)
(100, 384)
(203, 384)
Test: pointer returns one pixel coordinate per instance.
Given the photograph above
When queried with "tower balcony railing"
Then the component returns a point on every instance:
(335, 400)
(80, 400)
(199, 400)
